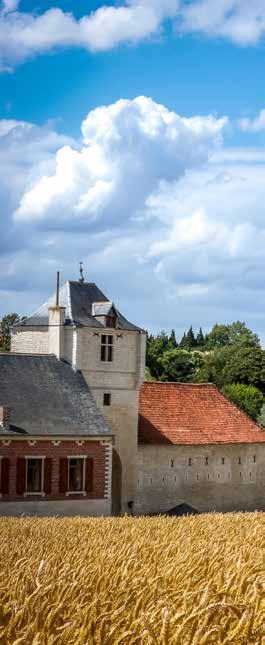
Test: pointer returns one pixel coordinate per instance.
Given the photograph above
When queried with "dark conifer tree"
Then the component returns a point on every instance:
(200, 338)
(190, 339)
(183, 342)
(172, 339)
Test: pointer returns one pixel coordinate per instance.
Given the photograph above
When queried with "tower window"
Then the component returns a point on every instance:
(106, 398)
(106, 348)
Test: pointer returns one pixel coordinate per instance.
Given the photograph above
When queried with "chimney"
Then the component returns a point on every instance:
(56, 325)
(4, 416)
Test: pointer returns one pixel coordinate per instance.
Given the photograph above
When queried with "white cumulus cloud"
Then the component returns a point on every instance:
(23, 35)
(241, 21)
(27, 34)
(253, 125)
(162, 212)
(128, 149)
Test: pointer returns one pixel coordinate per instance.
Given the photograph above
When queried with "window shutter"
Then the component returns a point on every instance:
(48, 476)
(21, 476)
(63, 475)
(5, 476)
(89, 474)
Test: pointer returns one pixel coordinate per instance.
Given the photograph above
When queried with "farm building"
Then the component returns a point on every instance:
(82, 434)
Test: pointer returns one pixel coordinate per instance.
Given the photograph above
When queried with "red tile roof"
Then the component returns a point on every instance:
(180, 413)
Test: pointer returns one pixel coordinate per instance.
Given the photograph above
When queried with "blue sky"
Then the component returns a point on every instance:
(163, 204)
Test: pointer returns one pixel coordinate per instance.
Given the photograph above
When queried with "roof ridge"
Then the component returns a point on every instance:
(174, 383)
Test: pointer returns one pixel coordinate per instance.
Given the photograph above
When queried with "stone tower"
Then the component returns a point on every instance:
(88, 331)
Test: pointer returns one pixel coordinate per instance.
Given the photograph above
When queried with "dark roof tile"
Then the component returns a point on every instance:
(46, 396)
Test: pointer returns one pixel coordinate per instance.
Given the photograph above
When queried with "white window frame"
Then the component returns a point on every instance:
(40, 493)
(77, 492)
(107, 345)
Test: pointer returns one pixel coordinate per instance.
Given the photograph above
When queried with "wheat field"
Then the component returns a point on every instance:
(193, 580)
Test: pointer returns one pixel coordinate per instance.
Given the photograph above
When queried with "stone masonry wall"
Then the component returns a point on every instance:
(30, 341)
(121, 378)
(209, 478)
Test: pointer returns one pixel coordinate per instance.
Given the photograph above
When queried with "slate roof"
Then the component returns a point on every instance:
(47, 397)
(189, 414)
(77, 298)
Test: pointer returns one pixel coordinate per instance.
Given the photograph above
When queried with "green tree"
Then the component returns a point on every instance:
(212, 367)
(183, 341)
(261, 417)
(236, 334)
(5, 330)
(246, 397)
(172, 339)
(177, 365)
(246, 365)
(148, 376)
(190, 338)
(156, 346)
(200, 341)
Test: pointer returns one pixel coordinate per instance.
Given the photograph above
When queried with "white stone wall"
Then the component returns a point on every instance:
(30, 340)
(216, 477)
(122, 379)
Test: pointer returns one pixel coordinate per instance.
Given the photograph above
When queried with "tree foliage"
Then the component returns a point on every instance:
(5, 330)
(228, 355)
(246, 397)
(177, 365)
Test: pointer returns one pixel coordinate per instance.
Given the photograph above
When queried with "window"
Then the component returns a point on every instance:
(223, 460)
(34, 481)
(76, 467)
(106, 348)
(111, 321)
(190, 462)
(106, 398)
(206, 461)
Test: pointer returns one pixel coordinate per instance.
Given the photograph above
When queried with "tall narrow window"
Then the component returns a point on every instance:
(106, 348)
(76, 474)
(34, 475)
(106, 398)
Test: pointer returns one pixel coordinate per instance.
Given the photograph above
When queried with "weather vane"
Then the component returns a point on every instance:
(81, 279)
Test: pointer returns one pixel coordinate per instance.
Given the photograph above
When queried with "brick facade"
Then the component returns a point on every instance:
(55, 450)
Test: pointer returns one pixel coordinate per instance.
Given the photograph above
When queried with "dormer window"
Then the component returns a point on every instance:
(106, 348)
(110, 321)
(105, 313)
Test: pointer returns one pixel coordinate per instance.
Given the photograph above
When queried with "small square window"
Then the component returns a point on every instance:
(106, 398)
